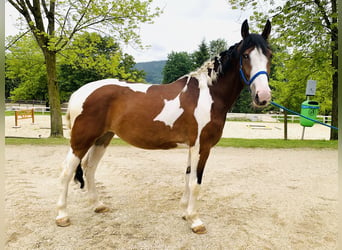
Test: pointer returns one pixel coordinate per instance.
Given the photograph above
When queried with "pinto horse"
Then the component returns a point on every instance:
(192, 111)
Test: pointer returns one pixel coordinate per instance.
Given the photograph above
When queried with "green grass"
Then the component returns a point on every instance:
(224, 142)
(276, 143)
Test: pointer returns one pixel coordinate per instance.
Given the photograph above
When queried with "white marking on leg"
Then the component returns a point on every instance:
(196, 223)
(70, 164)
(194, 188)
(170, 112)
(90, 164)
(185, 197)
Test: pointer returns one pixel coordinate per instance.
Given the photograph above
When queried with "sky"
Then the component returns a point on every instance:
(181, 27)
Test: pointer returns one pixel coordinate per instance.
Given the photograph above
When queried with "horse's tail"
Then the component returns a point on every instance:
(79, 175)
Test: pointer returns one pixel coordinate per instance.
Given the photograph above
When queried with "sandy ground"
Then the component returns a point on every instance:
(250, 199)
(257, 130)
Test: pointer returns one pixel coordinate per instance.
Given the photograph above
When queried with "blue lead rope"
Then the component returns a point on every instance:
(291, 111)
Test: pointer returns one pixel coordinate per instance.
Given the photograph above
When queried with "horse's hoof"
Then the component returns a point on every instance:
(63, 222)
(101, 209)
(199, 229)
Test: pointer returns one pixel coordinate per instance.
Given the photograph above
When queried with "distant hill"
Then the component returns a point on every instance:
(154, 70)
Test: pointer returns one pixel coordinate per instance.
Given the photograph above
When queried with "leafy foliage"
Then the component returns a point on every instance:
(92, 57)
(201, 55)
(25, 71)
(88, 58)
(177, 65)
(217, 46)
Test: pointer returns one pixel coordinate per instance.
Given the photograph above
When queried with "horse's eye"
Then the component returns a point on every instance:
(245, 56)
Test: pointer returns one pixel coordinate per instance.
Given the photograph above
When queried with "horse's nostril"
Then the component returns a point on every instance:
(258, 102)
(263, 103)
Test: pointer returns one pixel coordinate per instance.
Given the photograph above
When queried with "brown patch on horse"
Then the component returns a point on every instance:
(124, 108)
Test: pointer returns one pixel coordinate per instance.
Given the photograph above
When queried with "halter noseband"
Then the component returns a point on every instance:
(250, 81)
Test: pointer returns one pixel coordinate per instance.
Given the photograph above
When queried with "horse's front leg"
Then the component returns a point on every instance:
(69, 166)
(198, 159)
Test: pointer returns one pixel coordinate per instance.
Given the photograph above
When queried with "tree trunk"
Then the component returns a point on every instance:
(54, 98)
(334, 62)
(334, 115)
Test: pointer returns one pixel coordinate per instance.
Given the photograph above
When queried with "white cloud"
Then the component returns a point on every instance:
(185, 23)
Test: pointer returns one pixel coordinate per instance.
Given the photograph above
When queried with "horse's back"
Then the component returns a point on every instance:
(78, 98)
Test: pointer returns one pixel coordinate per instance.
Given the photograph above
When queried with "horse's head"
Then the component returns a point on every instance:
(255, 57)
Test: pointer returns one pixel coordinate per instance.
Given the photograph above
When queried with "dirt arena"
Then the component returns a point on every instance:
(250, 199)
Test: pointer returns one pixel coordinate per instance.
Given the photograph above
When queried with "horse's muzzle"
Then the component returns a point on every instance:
(262, 98)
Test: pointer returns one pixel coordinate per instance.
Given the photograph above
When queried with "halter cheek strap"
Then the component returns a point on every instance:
(250, 81)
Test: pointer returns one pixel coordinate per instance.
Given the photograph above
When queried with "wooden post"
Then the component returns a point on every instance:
(32, 115)
(16, 119)
(285, 125)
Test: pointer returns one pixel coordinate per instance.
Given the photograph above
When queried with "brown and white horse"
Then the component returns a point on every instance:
(191, 111)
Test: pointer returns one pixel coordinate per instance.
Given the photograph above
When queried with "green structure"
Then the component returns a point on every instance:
(309, 109)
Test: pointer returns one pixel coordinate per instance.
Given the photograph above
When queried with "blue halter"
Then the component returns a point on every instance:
(254, 77)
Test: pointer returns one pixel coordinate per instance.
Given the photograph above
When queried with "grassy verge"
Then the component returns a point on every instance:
(276, 143)
(224, 142)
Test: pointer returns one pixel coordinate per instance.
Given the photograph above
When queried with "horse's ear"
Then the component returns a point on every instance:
(245, 29)
(267, 30)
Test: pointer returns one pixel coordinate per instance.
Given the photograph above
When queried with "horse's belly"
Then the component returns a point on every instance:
(151, 137)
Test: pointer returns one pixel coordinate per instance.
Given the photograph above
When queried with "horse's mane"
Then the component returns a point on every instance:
(216, 66)
(221, 63)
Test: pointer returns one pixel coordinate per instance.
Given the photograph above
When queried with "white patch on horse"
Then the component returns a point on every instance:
(202, 111)
(78, 97)
(260, 84)
(258, 62)
(170, 112)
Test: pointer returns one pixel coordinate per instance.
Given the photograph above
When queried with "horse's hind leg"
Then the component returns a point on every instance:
(89, 164)
(69, 166)
(186, 194)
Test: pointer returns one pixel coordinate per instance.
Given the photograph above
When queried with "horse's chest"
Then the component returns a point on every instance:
(185, 107)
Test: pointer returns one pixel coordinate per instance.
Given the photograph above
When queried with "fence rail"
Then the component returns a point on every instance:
(41, 109)
(296, 118)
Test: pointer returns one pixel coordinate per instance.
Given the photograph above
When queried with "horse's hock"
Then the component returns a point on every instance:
(23, 114)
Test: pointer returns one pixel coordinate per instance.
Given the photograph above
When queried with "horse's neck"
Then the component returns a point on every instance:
(226, 90)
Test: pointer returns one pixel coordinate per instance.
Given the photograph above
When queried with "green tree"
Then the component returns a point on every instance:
(91, 57)
(201, 55)
(217, 46)
(177, 65)
(54, 23)
(88, 58)
(306, 34)
(25, 71)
